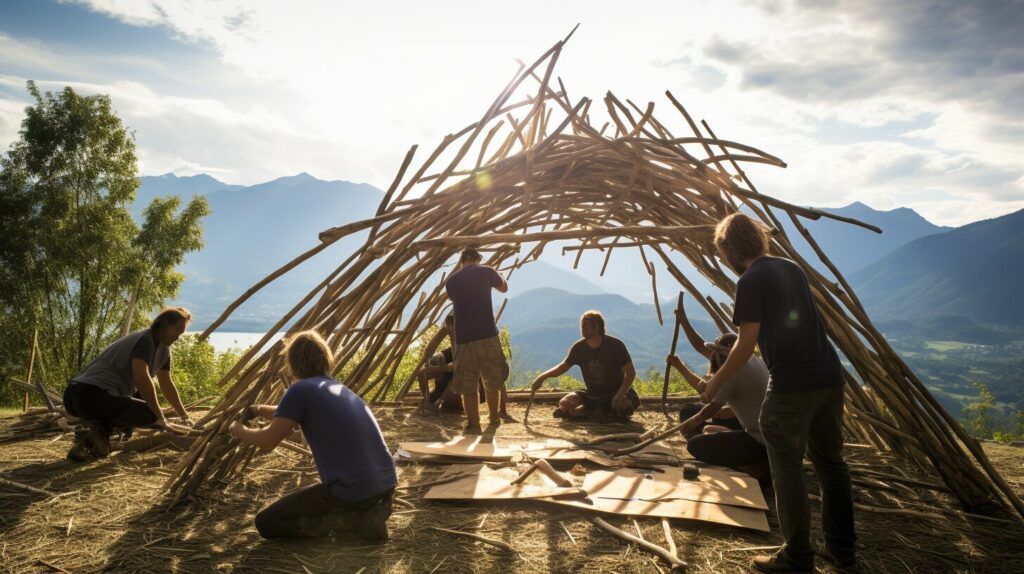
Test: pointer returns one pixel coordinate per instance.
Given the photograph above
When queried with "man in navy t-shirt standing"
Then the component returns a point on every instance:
(357, 472)
(803, 408)
(478, 353)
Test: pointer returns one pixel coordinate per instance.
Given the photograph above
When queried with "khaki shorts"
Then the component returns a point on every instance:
(477, 361)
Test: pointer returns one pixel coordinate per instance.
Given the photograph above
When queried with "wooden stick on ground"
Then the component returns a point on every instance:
(484, 539)
(678, 564)
(21, 486)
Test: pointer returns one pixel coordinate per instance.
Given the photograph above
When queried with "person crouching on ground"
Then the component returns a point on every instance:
(608, 374)
(743, 393)
(440, 367)
(357, 472)
(116, 391)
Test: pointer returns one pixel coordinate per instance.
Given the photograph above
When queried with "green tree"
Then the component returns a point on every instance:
(977, 415)
(75, 261)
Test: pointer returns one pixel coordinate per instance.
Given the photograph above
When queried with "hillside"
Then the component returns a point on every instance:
(973, 271)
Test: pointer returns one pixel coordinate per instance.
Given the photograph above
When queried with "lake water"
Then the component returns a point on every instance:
(223, 341)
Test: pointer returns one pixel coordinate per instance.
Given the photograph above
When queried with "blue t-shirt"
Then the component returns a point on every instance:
(346, 442)
(469, 289)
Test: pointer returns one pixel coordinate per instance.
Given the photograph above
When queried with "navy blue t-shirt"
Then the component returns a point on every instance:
(794, 344)
(470, 291)
(343, 435)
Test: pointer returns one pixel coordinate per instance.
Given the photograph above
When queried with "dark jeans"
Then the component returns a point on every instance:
(105, 411)
(313, 511)
(731, 423)
(811, 422)
(727, 448)
(601, 405)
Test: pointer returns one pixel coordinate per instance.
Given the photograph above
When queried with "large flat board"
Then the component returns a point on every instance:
(676, 509)
(474, 447)
(715, 485)
(485, 483)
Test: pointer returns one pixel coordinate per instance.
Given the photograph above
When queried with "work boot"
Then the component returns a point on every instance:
(777, 563)
(373, 523)
(98, 439)
(80, 451)
(841, 562)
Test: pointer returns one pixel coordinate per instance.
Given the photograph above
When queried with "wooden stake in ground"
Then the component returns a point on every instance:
(668, 364)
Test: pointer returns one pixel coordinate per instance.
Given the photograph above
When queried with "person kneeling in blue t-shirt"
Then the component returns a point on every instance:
(357, 472)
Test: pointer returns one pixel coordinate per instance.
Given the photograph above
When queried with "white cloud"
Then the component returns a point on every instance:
(342, 89)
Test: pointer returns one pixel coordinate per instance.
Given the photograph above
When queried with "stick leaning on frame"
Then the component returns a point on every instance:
(668, 365)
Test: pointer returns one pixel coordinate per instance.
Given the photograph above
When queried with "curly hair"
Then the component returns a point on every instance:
(309, 355)
(738, 238)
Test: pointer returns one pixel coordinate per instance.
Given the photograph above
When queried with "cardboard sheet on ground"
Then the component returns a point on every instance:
(474, 447)
(485, 483)
(558, 450)
(714, 485)
(719, 495)
(678, 509)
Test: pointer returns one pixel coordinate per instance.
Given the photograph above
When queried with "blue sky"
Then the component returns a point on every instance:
(893, 104)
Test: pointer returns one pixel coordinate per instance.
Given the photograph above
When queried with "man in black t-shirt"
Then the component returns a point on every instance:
(608, 373)
(803, 408)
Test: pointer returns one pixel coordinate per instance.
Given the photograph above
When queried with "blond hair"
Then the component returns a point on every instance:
(170, 316)
(738, 238)
(308, 355)
(596, 317)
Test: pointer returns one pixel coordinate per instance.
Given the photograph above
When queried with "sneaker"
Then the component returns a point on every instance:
(777, 563)
(98, 440)
(373, 524)
(842, 562)
(80, 451)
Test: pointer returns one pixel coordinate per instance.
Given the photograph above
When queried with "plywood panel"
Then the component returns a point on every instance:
(715, 485)
(484, 483)
(677, 509)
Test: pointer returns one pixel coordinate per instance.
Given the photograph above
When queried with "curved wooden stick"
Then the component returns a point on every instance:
(668, 365)
(529, 404)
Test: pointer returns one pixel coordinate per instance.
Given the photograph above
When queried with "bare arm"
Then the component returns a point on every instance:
(628, 376)
(689, 376)
(170, 391)
(738, 357)
(696, 341)
(267, 437)
(263, 411)
(691, 424)
(503, 287)
(144, 384)
(556, 371)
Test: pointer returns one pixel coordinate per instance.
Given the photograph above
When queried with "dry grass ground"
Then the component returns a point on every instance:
(109, 517)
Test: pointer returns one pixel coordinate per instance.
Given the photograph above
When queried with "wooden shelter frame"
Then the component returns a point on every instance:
(550, 175)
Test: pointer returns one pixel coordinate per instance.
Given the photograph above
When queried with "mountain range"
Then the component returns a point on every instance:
(915, 271)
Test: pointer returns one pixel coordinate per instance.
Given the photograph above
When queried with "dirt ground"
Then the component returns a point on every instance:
(109, 516)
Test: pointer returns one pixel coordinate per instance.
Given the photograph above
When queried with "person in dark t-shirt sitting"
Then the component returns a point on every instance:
(608, 374)
(357, 472)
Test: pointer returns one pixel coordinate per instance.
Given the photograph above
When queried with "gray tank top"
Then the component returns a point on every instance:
(112, 370)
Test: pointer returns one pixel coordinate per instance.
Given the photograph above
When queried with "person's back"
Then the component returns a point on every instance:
(343, 435)
(792, 338)
(470, 291)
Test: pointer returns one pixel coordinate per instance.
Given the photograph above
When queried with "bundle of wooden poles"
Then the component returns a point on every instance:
(535, 170)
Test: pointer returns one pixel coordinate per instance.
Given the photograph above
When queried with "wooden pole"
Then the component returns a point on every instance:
(671, 352)
(31, 363)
